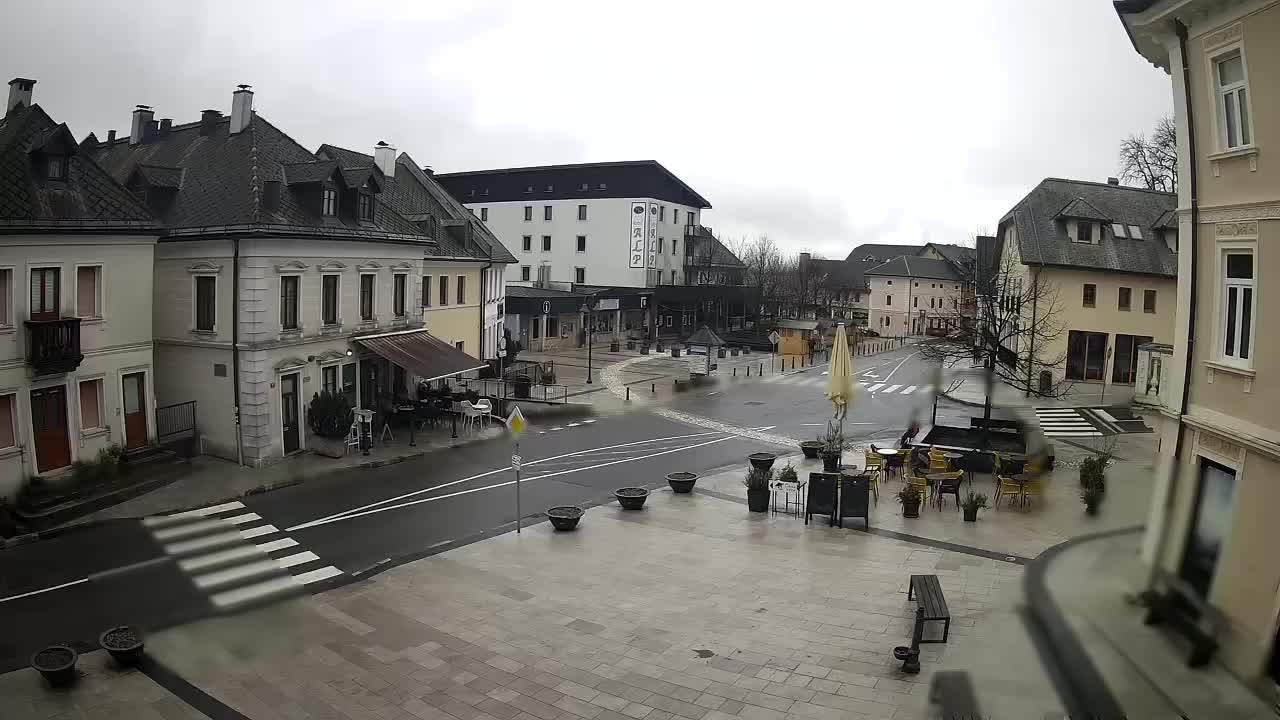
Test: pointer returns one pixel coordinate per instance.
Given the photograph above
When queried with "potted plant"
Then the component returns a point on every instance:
(565, 517)
(329, 417)
(833, 445)
(631, 344)
(124, 643)
(746, 349)
(973, 502)
(682, 482)
(911, 501)
(644, 349)
(675, 352)
(788, 474)
(762, 460)
(57, 663)
(757, 482)
(733, 352)
(631, 498)
(614, 346)
(810, 448)
(660, 347)
(1092, 499)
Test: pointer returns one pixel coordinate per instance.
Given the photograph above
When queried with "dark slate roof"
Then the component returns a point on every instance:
(882, 253)
(720, 255)
(958, 254)
(157, 176)
(88, 199)
(626, 179)
(1167, 221)
(414, 195)
(987, 258)
(917, 267)
(1042, 235)
(841, 273)
(536, 292)
(1080, 208)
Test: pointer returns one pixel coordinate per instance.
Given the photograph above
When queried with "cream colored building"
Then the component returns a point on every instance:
(1103, 257)
(76, 368)
(1212, 521)
(282, 273)
(916, 295)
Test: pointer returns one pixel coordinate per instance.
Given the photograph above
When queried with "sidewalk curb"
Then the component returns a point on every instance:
(968, 403)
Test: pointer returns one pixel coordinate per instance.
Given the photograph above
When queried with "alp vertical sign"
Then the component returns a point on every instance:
(653, 235)
(638, 236)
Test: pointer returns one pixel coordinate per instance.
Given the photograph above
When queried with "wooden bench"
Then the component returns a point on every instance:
(1181, 608)
(953, 692)
(927, 592)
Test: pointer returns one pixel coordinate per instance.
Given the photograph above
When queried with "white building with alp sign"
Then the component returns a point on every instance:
(619, 224)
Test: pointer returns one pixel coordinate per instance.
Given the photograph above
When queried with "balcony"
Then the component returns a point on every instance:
(698, 231)
(53, 346)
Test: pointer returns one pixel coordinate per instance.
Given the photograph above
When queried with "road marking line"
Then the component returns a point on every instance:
(242, 519)
(910, 389)
(556, 428)
(899, 365)
(491, 472)
(200, 562)
(274, 545)
(198, 512)
(315, 523)
(875, 387)
(181, 531)
(258, 531)
(231, 598)
(588, 421)
(45, 590)
(323, 573)
(892, 388)
(219, 578)
(574, 424)
(303, 557)
(208, 542)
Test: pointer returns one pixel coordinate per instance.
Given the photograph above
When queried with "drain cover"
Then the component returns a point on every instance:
(753, 402)
(704, 653)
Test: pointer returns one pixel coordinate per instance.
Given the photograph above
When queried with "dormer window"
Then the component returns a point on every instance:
(1084, 232)
(1135, 232)
(1118, 230)
(57, 167)
(366, 206)
(329, 202)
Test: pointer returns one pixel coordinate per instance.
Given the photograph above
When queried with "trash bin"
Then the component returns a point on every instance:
(521, 385)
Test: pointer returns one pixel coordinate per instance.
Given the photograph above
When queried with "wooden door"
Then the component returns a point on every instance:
(49, 428)
(289, 412)
(135, 410)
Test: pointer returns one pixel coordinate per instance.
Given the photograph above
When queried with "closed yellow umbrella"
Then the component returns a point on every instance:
(840, 375)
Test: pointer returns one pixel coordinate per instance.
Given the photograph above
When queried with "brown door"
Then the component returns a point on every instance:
(289, 411)
(49, 427)
(135, 410)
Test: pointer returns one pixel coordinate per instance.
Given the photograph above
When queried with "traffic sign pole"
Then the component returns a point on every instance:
(515, 423)
(517, 466)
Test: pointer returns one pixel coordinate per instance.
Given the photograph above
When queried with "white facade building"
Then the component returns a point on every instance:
(577, 224)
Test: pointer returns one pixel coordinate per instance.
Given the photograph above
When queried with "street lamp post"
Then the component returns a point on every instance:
(590, 333)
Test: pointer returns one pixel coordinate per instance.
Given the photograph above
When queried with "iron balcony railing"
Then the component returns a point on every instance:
(53, 346)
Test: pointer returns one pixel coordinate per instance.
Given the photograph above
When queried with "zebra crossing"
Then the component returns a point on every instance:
(1066, 422)
(235, 557)
(811, 380)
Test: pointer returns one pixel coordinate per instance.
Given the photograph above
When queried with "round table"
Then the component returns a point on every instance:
(887, 453)
(935, 480)
(1021, 479)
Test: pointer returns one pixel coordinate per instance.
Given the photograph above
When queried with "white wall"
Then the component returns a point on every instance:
(607, 228)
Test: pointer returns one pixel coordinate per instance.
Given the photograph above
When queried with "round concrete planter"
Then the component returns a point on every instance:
(565, 517)
(124, 643)
(682, 482)
(762, 460)
(57, 663)
(631, 498)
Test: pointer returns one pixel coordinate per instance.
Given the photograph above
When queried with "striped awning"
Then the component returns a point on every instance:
(420, 352)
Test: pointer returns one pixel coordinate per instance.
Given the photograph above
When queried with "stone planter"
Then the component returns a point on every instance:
(830, 461)
(810, 448)
(124, 643)
(762, 460)
(911, 508)
(565, 517)
(970, 515)
(328, 447)
(631, 344)
(614, 346)
(746, 350)
(733, 351)
(682, 482)
(631, 498)
(644, 349)
(758, 500)
(57, 663)
(675, 352)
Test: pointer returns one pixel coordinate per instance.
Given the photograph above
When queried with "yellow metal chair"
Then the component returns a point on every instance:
(916, 482)
(874, 466)
(949, 485)
(1032, 488)
(1007, 487)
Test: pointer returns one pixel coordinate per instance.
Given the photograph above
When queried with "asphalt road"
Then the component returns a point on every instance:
(347, 524)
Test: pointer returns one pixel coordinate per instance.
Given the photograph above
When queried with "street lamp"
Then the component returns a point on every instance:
(589, 333)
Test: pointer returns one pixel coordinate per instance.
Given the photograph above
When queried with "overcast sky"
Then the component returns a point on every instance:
(821, 124)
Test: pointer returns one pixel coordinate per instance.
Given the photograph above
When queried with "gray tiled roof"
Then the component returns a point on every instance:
(415, 195)
(720, 255)
(882, 253)
(156, 176)
(917, 267)
(958, 254)
(88, 198)
(1042, 235)
(987, 258)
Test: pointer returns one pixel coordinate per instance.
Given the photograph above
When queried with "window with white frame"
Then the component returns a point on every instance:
(8, 421)
(89, 291)
(399, 284)
(6, 297)
(329, 299)
(289, 302)
(1236, 321)
(1233, 105)
(91, 415)
(524, 273)
(329, 379)
(329, 202)
(206, 302)
(580, 275)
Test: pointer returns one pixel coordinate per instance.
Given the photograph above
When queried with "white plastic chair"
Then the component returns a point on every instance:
(470, 415)
(485, 409)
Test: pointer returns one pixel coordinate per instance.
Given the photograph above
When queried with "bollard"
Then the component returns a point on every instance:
(759, 370)
(628, 393)
(653, 387)
(735, 372)
(748, 371)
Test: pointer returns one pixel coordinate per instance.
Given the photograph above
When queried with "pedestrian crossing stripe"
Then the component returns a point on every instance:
(235, 557)
(1066, 423)
(804, 380)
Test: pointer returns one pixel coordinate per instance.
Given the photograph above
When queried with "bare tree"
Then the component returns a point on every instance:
(1016, 323)
(1152, 162)
(763, 262)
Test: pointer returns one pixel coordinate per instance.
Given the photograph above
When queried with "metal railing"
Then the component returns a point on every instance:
(176, 425)
(53, 346)
(507, 390)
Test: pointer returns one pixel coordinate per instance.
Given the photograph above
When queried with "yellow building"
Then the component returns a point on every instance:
(1212, 524)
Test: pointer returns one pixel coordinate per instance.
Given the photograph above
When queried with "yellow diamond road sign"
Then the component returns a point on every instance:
(515, 421)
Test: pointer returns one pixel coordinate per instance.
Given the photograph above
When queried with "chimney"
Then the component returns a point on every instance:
(208, 121)
(384, 156)
(241, 109)
(111, 136)
(150, 132)
(19, 93)
(165, 125)
(1113, 181)
(805, 258)
(427, 169)
(142, 115)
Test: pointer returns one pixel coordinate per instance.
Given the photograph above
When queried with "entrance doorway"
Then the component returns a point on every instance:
(1209, 526)
(49, 428)
(134, 386)
(289, 413)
